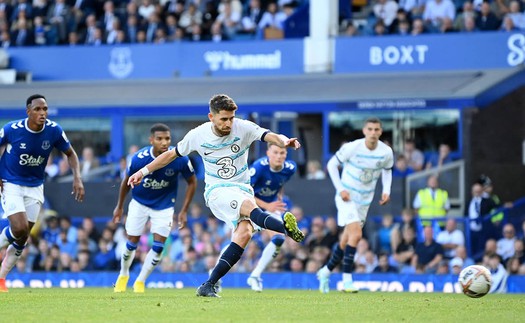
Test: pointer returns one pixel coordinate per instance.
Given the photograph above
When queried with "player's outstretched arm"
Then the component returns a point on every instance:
(119, 209)
(182, 217)
(78, 187)
(282, 141)
(162, 160)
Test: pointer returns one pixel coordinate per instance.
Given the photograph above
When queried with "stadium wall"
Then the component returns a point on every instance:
(307, 281)
(495, 144)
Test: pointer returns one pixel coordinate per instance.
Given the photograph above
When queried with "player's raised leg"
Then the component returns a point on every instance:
(288, 227)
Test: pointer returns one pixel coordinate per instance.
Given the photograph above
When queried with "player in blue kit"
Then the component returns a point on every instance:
(268, 176)
(154, 199)
(29, 143)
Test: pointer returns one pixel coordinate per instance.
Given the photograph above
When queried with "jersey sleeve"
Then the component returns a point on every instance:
(252, 130)
(3, 134)
(187, 170)
(291, 166)
(389, 163)
(62, 143)
(346, 151)
(133, 166)
(185, 146)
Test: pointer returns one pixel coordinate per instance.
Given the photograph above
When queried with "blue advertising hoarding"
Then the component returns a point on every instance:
(460, 51)
(160, 61)
(306, 281)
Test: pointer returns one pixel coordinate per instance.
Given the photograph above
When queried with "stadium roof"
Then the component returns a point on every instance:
(476, 88)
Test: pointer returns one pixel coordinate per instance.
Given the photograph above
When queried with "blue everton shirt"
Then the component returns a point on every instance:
(26, 153)
(266, 182)
(158, 190)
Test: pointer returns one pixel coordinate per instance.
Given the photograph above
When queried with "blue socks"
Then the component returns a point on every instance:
(266, 221)
(229, 257)
(335, 258)
(348, 260)
(278, 240)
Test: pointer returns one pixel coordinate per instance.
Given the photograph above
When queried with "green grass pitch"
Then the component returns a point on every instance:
(243, 305)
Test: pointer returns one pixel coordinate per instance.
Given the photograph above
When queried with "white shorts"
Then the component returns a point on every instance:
(138, 215)
(225, 203)
(18, 198)
(350, 212)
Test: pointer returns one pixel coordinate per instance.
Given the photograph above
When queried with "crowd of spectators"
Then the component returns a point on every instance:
(94, 22)
(396, 245)
(409, 17)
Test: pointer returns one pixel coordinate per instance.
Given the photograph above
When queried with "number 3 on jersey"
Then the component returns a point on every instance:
(228, 170)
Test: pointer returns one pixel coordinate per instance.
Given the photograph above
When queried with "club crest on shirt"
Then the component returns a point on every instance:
(169, 172)
(46, 145)
(22, 145)
(379, 164)
(235, 148)
(233, 204)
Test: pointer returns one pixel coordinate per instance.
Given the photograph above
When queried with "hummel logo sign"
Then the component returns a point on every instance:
(206, 153)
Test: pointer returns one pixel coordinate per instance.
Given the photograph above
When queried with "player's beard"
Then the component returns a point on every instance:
(222, 133)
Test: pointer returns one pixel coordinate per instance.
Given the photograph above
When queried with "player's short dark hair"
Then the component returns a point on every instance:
(221, 102)
(373, 120)
(33, 97)
(158, 127)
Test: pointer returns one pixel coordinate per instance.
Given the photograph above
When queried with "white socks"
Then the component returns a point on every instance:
(347, 278)
(268, 254)
(10, 260)
(325, 271)
(151, 261)
(125, 261)
(3, 238)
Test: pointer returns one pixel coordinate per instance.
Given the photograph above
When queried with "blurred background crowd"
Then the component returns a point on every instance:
(415, 241)
(96, 22)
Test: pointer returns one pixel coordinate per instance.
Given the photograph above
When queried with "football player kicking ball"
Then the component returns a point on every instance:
(364, 161)
(22, 172)
(223, 143)
(268, 176)
(154, 200)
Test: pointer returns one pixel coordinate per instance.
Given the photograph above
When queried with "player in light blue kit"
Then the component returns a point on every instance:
(29, 143)
(223, 143)
(363, 161)
(268, 176)
(153, 200)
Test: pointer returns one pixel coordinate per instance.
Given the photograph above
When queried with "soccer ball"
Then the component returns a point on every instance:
(475, 281)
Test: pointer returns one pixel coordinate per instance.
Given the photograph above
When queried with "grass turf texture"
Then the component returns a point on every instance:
(243, 305)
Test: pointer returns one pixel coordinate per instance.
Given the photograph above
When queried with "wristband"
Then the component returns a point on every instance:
(144, 170)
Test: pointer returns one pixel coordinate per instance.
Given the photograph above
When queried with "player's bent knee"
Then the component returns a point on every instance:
(278, 240)
(157, 247)
(20, 234)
